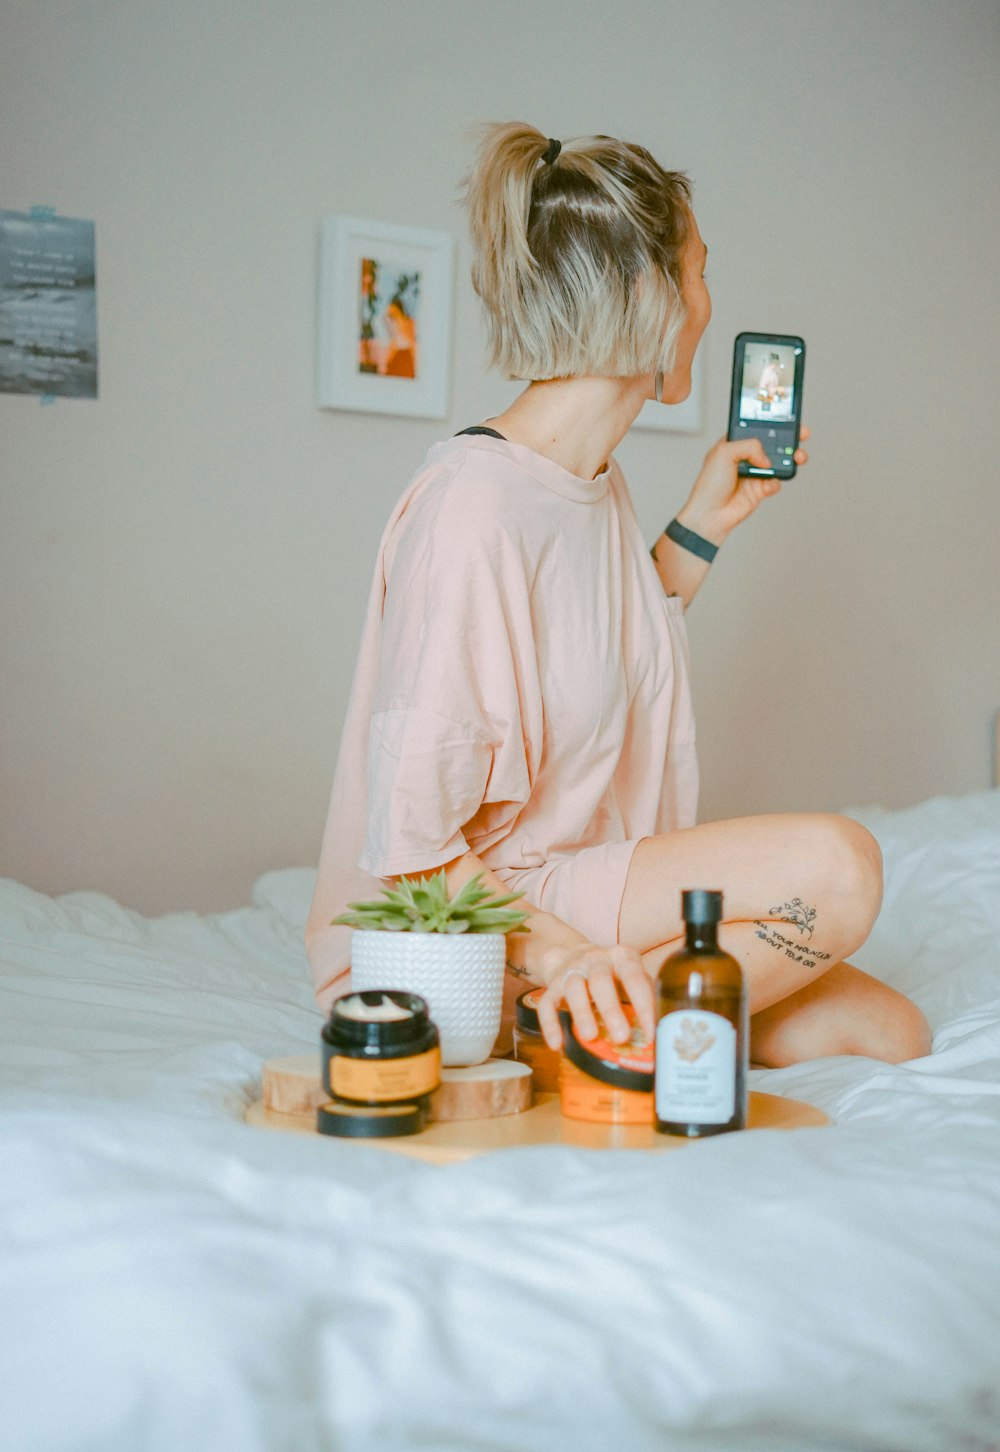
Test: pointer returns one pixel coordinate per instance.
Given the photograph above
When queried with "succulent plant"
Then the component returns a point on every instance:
(424, 907)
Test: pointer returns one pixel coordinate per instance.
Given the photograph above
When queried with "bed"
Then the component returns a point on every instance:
(173, 1278)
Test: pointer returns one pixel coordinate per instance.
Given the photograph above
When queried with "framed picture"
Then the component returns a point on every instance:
(678, 418)
(384, 318)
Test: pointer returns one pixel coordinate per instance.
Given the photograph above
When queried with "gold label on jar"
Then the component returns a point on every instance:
(370, 1080)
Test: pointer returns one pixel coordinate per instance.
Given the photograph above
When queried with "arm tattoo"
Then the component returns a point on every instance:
(519, 972)
(670, 594)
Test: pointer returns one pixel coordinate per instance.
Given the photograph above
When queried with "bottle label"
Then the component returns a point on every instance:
(695, 1067)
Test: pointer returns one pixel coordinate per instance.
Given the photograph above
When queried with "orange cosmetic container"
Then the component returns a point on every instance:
(530, 1047)
(605, 1082)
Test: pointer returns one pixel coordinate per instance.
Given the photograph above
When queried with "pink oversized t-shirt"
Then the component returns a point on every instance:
(521, 691)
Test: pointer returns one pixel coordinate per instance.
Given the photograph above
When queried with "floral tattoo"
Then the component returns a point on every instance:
(796, 913)
(799, 916)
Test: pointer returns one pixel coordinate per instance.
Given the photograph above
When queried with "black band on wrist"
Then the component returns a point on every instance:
(688, 540)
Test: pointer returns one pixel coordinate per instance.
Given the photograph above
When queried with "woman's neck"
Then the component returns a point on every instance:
(576, 422)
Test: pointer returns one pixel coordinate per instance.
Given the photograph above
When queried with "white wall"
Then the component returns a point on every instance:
(185, 562)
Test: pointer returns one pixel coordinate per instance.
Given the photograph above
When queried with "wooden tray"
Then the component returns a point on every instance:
(444, 1144)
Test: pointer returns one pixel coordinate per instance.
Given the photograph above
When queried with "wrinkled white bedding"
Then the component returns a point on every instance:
(173, 1279)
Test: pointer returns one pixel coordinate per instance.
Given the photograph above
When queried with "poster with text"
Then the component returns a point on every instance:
(48, 306)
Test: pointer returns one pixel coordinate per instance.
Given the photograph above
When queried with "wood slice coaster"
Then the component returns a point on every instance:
(294, 1085)
(445, 1143)
(482, 1091)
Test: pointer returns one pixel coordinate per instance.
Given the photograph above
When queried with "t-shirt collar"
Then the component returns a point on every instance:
(546, 471)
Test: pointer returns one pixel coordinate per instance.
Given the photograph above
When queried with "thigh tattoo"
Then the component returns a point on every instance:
(798, 915)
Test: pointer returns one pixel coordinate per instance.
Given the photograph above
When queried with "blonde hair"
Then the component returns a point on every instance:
(578, 260)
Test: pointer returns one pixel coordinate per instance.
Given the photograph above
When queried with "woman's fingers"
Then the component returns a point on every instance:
(594, 990)
(548, 1019)
(577, 995)
(639, 987)
(750, 450)
(801, 456)
(604, 992)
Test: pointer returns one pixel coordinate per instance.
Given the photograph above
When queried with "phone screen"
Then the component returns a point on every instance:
(767, 385)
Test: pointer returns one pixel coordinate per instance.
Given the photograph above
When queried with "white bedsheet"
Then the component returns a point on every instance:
(173, 1279)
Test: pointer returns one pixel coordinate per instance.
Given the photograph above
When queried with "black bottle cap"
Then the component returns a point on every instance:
(352, 1121)
(701, 905)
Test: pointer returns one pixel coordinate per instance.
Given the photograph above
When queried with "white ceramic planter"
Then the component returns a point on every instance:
(461, 975)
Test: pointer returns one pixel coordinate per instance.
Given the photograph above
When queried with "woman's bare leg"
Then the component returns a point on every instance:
(801, 892)
(845, 1011)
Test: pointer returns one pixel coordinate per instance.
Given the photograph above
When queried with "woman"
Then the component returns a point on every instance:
(769, 388)
(521, 704)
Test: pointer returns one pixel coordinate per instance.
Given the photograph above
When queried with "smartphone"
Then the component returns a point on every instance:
(766, 399)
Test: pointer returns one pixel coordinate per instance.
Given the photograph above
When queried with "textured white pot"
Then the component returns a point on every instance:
(461, 975)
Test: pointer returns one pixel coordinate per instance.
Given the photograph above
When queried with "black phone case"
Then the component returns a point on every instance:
(746, 470)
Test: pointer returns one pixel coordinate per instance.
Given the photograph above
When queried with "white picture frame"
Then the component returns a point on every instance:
(678, 418)
(385, 301)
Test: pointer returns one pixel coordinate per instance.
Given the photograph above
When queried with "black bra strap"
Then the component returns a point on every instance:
(481, 429)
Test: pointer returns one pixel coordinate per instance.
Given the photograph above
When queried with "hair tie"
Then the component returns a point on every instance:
(551, 151)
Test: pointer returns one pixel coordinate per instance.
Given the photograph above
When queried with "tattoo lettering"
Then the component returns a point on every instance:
(796, 912)
(519, 972)
(798, 952)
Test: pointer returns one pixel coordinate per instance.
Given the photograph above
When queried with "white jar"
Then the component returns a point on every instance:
(461, 975)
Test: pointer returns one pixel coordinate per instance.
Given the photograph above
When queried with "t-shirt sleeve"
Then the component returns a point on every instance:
(447, 746)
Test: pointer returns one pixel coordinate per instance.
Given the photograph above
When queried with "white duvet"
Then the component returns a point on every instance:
(173, 1279)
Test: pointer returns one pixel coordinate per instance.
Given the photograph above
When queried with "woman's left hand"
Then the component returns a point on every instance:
(721, 498)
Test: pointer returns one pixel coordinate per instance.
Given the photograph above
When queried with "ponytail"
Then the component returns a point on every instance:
(576, 253)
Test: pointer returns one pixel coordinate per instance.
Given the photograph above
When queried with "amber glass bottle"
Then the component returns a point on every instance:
(702, 1030)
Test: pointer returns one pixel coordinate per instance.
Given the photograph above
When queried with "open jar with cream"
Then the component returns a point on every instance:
(381, 1052)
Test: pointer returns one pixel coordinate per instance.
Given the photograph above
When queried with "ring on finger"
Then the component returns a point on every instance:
(574, 972)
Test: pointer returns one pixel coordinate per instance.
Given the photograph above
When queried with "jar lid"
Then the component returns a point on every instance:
(350, 1121)
(526, 1010)
(358, 1020)
(626, 1066)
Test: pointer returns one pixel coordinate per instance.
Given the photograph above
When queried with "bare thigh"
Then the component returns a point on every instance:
(800, 893)
(757, 862)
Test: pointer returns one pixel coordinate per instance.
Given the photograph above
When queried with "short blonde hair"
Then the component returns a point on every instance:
(578, 260)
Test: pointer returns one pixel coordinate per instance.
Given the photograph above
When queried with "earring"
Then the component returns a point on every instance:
(658, 388)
